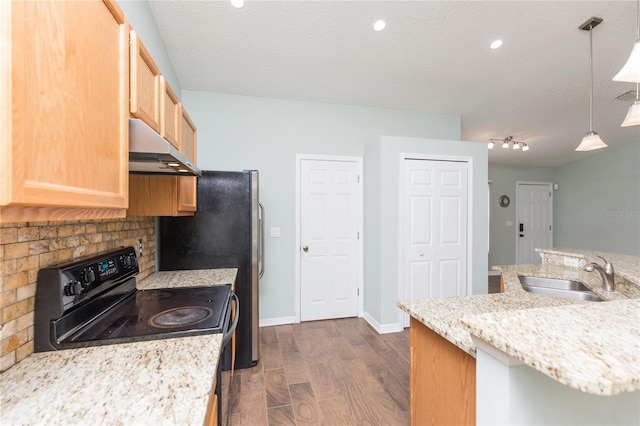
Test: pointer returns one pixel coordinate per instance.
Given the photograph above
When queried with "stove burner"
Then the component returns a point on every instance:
(179, 317)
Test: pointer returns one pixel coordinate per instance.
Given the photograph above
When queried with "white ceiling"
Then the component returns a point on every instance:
(433, 56)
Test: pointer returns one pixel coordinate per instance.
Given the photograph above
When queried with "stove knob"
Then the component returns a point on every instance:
(73, 288)
(88, 276)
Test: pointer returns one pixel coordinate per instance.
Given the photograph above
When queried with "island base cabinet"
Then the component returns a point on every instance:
(442, 381)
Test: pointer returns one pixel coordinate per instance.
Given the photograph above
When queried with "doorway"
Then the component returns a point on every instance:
(435, 231)
(329, 255)
(534, 214)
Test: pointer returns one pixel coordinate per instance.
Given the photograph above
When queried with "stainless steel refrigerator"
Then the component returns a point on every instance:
(225, 232)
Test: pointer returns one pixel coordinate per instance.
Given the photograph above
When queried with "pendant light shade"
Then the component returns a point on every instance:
(591, 139)
(631, 70)
(633, 116)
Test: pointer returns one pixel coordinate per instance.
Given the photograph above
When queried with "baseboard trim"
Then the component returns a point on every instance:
(268, 322)
(381, 328)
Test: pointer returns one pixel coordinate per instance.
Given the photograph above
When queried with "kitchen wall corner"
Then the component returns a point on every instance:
(29, 246)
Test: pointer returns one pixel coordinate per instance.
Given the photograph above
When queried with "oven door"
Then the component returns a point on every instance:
(225, 389)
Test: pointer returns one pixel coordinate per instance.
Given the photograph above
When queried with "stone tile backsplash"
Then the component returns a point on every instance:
(26, 247)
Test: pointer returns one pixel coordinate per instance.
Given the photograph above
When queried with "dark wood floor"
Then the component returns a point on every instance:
(494, 283)
(334, 372)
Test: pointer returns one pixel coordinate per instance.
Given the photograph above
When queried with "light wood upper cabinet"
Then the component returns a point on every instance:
(170, 110)
(154, 195)
(145, 85)
(63, 110)
(187, 185)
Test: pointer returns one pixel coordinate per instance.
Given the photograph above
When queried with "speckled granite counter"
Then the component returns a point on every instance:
(626, 266)
(443, 316)
(188, 278)
(154, 382)
(566, 342)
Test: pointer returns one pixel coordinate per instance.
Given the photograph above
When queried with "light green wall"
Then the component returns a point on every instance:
(502, 249)
(139, 16)
(597, 205)
(241, 132)
(382, 233)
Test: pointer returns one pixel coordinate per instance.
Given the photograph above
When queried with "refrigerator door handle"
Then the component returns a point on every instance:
(261, 234)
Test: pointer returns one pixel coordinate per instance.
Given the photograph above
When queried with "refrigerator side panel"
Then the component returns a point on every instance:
(256, 240)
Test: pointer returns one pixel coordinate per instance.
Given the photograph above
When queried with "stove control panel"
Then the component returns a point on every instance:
(81, 279)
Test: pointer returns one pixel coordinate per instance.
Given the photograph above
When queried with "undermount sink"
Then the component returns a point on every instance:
(566, 289)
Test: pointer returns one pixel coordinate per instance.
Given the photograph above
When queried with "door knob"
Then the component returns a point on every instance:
(305, 248)
(421, 253)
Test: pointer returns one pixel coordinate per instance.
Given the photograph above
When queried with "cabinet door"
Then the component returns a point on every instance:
(187, 185)
(64, 111)
(145, 85)
(170, 110)
(153, 195)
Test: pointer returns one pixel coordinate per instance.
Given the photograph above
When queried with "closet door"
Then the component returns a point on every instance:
(435, 209)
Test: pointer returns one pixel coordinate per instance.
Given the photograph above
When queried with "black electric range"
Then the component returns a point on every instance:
(95, 302)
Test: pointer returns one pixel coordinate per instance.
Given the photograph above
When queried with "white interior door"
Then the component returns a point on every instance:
(329, 233)
(435, 228)
(534, 210)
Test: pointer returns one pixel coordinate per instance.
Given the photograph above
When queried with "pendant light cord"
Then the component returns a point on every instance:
(638, 20)
(638, 34)
(591, 78)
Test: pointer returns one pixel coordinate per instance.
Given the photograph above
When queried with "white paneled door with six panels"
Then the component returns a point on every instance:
(329, 218)
(435, 228)
(535, 214)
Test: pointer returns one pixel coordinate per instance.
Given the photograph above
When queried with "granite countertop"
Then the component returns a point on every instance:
(566, 342)
(154, 382)
(188, 278)
(443, 315)
(626, 266)
(165, 381)
(481, 313)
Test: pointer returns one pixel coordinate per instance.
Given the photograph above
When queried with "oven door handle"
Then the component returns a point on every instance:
(232, 328)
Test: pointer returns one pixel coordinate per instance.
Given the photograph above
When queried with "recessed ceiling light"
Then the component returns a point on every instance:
(238, 4)
(496, 44)
(379, 25)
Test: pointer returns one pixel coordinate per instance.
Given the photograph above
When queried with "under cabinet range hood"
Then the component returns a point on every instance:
(151, 154)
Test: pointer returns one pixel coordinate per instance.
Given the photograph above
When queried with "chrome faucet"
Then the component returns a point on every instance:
(606, 272)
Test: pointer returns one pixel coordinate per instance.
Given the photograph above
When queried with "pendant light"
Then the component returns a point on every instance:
(633, 115)
(630, 72)
(591, 139)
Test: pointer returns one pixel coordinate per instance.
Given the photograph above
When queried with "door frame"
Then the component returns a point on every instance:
(360, 266)
(516, 234)
(404, 318)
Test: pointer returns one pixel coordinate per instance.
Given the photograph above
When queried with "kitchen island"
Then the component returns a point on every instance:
(442, 317)
(167, 381)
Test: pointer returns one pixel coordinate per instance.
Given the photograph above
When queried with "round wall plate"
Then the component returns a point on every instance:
(504, 201)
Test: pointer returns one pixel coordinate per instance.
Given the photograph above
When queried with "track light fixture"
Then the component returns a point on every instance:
(508, 142)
